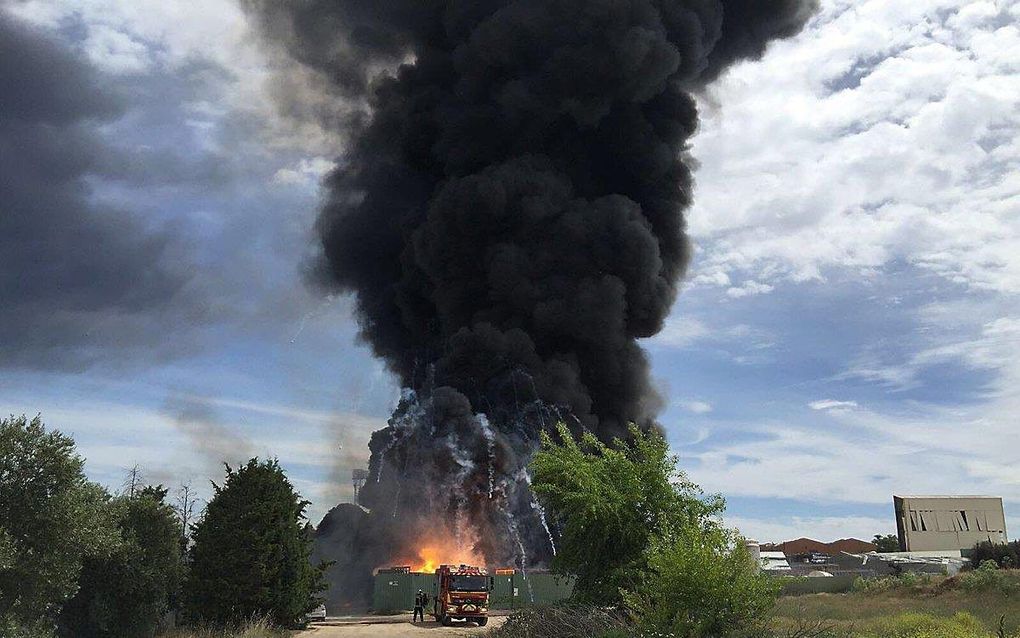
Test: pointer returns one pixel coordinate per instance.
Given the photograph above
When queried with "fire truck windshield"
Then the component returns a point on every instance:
(469, 583)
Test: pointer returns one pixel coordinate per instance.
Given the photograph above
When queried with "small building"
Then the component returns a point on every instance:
(774, 563)
(939, 523)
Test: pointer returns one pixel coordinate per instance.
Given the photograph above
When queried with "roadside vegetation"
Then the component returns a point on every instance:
(79, 562)
(983, 603)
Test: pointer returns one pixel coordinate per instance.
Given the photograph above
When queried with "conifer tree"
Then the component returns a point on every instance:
(250, 552)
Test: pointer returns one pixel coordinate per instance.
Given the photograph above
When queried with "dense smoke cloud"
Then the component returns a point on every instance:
(509, 218)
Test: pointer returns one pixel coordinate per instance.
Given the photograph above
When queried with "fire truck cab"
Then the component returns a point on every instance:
(461, 593)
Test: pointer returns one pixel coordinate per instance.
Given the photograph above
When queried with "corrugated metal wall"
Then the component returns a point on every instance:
(395, 591)
(513, 591)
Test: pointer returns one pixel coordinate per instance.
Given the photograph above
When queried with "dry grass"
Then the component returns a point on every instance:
(560, 621)
(257, 628)
(863, 613)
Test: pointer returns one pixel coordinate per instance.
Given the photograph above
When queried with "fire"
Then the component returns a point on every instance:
(435, 552)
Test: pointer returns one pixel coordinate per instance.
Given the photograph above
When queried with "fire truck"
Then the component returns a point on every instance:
(461, 593)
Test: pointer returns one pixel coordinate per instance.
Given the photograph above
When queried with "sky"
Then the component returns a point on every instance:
(849, 328)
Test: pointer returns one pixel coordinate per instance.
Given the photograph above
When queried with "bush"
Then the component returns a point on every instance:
(1005, 555)
(904, 581)
(988, 577)
(701, 583)
(251, 551)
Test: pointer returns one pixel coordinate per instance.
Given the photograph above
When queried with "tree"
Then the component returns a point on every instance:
(250, 553)
(184, 508)
(610, 502)
(51, 521)
(125, 591)
(637, 533)
(887, 543)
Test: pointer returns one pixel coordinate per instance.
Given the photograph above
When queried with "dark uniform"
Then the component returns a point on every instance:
(420, 600)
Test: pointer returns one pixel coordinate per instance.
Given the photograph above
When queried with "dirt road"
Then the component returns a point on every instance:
(391, 627)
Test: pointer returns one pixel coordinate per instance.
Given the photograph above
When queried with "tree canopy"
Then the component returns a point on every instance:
(127, 589)
(638, 534)
(250, 552)
(52, 520)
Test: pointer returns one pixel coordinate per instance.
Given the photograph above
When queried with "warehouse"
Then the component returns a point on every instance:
(936, 523)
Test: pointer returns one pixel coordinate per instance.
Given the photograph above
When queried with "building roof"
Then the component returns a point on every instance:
(946, 496)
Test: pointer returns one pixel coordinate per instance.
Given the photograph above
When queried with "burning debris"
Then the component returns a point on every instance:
(508, 217)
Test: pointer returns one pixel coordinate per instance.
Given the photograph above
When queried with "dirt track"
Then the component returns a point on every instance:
(391, 627)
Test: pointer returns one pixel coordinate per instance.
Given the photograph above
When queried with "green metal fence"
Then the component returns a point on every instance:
(395, 589)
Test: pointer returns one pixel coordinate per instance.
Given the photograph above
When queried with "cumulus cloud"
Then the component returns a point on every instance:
(880, 135)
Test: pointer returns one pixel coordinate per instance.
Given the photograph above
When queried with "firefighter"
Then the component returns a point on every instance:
(420, 600)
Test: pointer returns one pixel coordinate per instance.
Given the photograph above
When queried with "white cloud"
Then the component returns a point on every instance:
(876, 136)
(832, 405)
(749, 288)
(680, 332)
(697, 407)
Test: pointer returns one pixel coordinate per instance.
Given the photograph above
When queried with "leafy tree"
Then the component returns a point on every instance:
(887, 543)
(701, 582)
(250, 552)
(635, 531)
(127, 590)
(610, 502)
(52, 519)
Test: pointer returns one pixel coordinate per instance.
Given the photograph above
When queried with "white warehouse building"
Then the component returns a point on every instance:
(936, 523)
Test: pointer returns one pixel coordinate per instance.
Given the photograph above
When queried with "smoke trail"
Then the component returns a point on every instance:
(508, 214)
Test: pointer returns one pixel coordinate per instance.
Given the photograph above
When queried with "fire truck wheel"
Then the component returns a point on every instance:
(445, 621)
(482, 621)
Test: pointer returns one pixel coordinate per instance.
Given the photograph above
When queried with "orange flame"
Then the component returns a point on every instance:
(433, 554)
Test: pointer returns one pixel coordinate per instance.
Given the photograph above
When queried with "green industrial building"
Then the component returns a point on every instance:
(395, 589)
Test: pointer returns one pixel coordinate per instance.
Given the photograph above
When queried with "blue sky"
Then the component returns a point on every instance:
(848, 329)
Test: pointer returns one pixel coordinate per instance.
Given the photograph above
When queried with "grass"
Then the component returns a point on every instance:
(979, 604)
(257, 628)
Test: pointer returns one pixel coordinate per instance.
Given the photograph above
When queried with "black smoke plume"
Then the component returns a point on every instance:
(508, 215)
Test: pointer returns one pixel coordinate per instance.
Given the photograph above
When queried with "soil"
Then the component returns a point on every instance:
(392, 627)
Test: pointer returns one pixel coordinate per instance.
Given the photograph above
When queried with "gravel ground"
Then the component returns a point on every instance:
(391, 627)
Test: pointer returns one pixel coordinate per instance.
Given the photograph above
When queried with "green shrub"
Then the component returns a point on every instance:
(904, 581)
(988, 578)
(701, 583)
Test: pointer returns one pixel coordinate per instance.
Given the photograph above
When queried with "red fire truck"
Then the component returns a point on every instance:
(462, 593)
